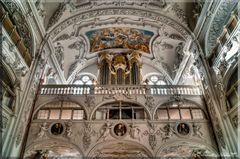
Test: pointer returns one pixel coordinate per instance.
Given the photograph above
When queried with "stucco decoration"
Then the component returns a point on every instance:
(197, 130)
(121, 38)
(40, 8)
(87, 135)
(79, 45)
(90, 101)
(171, 9)
(57, 15)
(19, 135)
(68, 131)
(43, 130)
(150, 103)
(235, 121)
(105, 131)
(152, 134)
(186, 150)
(21, 24)
(219, 20)
(119, 149)
(53, 149)
(167, 132)
(156, 17)
(167, 48)
(4, 121)
(12, 57)
(59, 53)
(135, 132)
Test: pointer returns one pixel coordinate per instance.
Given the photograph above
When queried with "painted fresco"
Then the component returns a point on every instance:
(123, 38)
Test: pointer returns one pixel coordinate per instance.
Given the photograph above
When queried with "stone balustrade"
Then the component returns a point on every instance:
(119, 89)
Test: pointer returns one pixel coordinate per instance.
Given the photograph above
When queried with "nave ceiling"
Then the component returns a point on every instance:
(81, 30)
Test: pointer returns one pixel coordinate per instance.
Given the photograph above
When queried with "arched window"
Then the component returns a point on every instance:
(179, 111)
(64, 110)
(84, 80)
(156, 80)
(120, 110)
(232, 92)
(6, 89)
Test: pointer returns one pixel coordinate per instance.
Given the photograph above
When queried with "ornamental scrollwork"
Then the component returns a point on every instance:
(57, 14)
(104, 12)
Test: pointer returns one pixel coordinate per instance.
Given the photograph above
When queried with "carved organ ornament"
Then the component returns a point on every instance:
(121, 68)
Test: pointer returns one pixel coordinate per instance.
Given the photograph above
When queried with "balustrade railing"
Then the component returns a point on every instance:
(127, 89)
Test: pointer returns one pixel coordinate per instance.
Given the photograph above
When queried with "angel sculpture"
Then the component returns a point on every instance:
(196, 130)
(134, 131)
(69, 129)
(42, 131)
(168, 132)
(105, 131)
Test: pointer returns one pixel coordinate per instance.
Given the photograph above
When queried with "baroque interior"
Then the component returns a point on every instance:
(117, 78)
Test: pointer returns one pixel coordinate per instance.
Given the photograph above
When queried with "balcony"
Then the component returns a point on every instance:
(119, 89)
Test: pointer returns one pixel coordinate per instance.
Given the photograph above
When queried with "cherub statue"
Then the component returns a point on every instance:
(69, 129)
(105, 131)
(42, 131)
(168, 132)
(196, 130)
(134, 131)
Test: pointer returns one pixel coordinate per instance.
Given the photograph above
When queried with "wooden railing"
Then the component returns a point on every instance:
(117, 89)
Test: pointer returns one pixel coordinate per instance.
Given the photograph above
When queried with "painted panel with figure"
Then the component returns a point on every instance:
(122, 38)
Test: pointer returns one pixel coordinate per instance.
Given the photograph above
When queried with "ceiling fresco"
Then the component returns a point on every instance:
(120, 38)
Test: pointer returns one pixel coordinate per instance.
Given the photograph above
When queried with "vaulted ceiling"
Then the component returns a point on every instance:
(81, 29)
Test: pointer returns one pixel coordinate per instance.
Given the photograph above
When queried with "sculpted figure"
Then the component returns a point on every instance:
(42, 131)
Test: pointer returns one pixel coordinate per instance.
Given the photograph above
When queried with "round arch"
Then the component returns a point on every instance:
(55, 147)
(229, 73)
(112, 101)
(186, 148)
(115, 148)
(57, 100)
(184, 100)
(80, 74)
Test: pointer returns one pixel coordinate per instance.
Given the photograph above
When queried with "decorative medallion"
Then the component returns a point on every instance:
(57, 129)
(183, 129)
(120, 130)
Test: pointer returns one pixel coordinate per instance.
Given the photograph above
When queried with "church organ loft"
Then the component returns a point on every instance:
(120, 69)
(119, 79)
